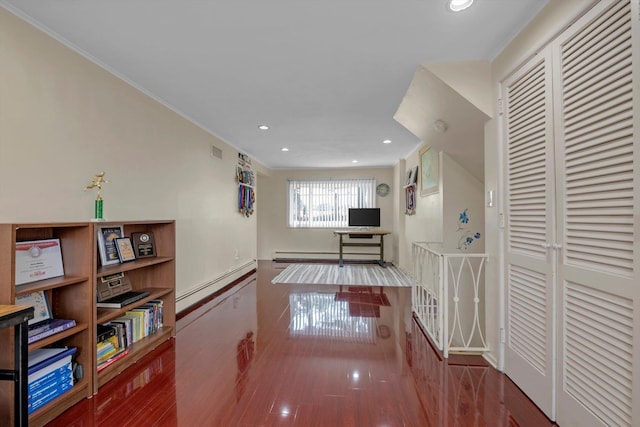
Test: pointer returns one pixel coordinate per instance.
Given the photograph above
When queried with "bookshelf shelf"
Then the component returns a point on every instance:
(106, 314)
(155, 275)
(136, 352)
(43, 415)
(133, 265)
(47, 284)
(73, 296)
(45, 342)
(70, 296)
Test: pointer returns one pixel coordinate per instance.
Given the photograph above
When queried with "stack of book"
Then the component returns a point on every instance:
(116, 336)
(109, 347)
(47, 328)
(50, 375)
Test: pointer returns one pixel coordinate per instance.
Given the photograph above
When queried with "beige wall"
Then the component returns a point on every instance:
(64, 119)
(274, 235)
(542, 29)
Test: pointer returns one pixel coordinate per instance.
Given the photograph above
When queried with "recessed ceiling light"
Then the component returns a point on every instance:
(386, 141)
(263, 127)
(458, 5)
(354, 161)
(284, 149)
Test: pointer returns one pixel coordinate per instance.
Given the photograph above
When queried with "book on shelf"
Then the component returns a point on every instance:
(119, 355)
(104, 332)
(138, 324)
(122, 300)
(48, 396)
(42, 359)
(47, 328)
(62, 378)
(63, 368)
(50, 374)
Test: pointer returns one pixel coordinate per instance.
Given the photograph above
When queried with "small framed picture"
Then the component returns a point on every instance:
(125, 249)
(107, 236)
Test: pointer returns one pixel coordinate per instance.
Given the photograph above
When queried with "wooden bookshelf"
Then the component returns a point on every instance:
(155, 275)
(70, 296)
(73, 296)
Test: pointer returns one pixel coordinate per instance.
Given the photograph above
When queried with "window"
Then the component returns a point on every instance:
(326, 203)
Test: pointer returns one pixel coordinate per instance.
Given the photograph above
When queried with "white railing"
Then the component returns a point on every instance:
(448, 298)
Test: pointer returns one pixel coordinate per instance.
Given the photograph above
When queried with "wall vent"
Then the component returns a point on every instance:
(216, 152)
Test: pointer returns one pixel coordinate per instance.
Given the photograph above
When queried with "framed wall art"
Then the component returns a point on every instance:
(430, 171)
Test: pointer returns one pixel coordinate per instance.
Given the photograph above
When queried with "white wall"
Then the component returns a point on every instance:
(426, 225)
(64, 119)
(274, 235)
(461, 191)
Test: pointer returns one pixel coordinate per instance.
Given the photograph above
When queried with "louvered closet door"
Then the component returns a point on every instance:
(530, 349)
(598, 280)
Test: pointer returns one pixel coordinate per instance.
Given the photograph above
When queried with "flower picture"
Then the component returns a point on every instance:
(465, 236)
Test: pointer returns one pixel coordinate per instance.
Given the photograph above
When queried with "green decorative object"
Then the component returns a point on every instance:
(98, 209)
(97, 182)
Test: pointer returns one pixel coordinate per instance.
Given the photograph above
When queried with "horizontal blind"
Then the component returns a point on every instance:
(326, 203)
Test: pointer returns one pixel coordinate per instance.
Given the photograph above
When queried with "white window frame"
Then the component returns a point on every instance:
(325, 203)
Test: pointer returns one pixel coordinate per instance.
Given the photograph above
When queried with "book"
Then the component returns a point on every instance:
(122, 353)
(121, 327)
(48, 328)
(64, 378)
(127, 321)
(122, 300)
(104, 332)
(138, 326)
(41, 359)
(48, 397)
(36, 380)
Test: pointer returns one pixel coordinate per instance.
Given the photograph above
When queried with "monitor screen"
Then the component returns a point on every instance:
(364, 217)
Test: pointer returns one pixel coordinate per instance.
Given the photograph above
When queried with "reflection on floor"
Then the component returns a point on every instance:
(297, 355)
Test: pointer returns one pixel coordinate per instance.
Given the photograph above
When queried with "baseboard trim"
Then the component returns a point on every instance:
(251, 264)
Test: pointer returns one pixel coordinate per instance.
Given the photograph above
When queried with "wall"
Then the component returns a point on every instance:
(550, 21)
(461, 192)
(426, 225)
(273, 233)
(63, 119)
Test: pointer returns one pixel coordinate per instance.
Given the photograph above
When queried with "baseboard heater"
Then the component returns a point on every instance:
(241, 269)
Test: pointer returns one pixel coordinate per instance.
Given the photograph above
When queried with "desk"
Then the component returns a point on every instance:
(362, 234)
(18, 316)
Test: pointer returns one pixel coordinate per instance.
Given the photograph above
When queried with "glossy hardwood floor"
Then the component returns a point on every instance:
(300, 355)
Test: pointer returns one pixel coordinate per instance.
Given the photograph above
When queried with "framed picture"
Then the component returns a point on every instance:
(430, 168)
(144, 244)
(41, 308)
(107, 236)
(125, 249)
(38, 260)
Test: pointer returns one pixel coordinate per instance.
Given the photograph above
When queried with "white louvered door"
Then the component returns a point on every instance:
(573, 226)
(598, 280)
(530, 346)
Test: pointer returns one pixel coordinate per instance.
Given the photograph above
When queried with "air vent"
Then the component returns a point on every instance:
(216, 152)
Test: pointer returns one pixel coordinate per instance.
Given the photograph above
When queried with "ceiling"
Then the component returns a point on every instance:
(326, 76)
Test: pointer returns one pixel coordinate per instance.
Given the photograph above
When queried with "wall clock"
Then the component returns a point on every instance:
(382, 189)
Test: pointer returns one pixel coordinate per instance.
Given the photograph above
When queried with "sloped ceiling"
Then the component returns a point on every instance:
(430, 102)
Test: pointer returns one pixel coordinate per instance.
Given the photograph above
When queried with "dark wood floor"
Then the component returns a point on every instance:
(295, 355)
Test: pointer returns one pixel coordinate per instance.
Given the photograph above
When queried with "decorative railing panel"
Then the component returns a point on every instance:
(448, 298)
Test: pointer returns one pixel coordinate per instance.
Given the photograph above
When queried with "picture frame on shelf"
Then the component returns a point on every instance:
(107, 247)
(38, 260)
(125, 249)
(430, 171)
(144, 244)
(40, 303)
